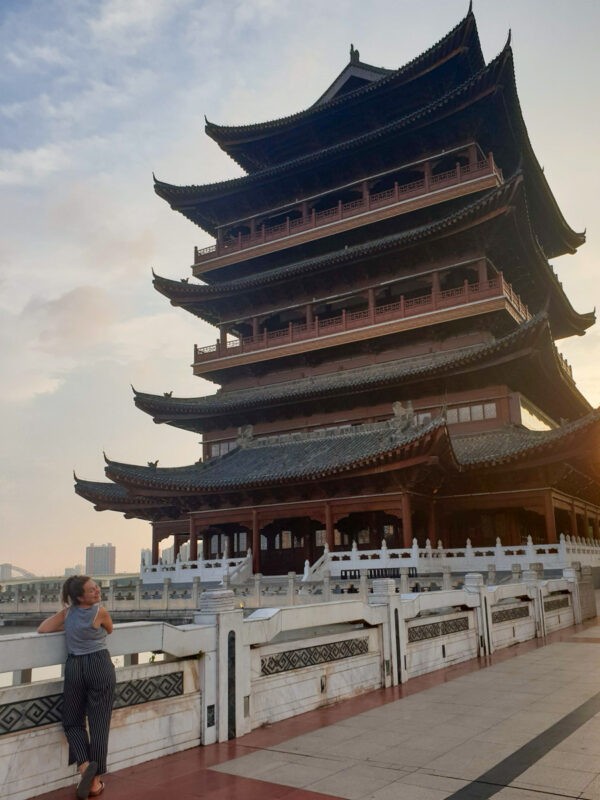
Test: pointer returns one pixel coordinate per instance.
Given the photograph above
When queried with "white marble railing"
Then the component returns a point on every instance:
(207, 570)
(329, 651)
(501, 558)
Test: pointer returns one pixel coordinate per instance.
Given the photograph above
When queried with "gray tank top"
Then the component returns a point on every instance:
(82, 638)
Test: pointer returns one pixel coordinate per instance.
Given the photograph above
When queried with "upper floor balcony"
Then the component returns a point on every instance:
(406, 313)
(305, 223)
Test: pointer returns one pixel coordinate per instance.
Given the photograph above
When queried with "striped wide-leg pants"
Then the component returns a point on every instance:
(88, 693)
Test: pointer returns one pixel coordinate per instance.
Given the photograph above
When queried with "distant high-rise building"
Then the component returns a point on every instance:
(100, 559)
(76, 570)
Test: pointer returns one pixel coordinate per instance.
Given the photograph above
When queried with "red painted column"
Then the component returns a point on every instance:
(329, 532)
(193, 542)
(407, 532)
(155, 541)
(432, 532)
(255, 542)
(573, 519)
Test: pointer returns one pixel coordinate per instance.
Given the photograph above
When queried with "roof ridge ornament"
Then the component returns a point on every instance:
(354, 55)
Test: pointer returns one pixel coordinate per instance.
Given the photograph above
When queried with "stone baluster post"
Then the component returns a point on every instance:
(531, 579)
(446, 578)
(165, 596)
(326, 586)
(257, 592)
(473, 585)
(291, 589)
(516, 573)
(404, 580)
(570, 575)
(363, 588)
(195, 591)
(224, 672)
(491, 576)
(394, 638)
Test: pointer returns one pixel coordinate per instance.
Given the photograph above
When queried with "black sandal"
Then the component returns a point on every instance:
(87, 778)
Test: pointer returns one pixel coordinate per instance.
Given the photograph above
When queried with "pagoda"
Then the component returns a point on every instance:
(386, 322)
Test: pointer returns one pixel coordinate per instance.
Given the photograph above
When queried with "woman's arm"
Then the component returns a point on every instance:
(53, 624)
(105, 620)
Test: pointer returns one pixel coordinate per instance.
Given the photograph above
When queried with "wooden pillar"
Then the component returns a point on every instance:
(371, 300)
(309, 315)
(427, 175)
(155, 541)
(435, 287)
(255, 330)
(176, 546)
(573, 520)
(193, 543)
(482, 270)
(255, 542)
(432, 533)
(473, 159)
(222, 335)
(329, 532)
(407, 533)
(365, 194)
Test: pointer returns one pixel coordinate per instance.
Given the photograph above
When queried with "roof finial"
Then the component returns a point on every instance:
(354, 55)
(508, 41)
(470, 11)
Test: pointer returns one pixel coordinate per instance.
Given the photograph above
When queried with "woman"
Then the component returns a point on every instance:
(89, 679)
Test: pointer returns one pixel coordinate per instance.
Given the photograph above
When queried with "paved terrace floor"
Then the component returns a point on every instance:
(521, 725)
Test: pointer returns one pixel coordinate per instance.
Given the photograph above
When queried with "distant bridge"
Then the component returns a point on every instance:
(8, 571)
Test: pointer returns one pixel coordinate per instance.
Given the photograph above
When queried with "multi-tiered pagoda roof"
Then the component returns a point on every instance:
(386, 319)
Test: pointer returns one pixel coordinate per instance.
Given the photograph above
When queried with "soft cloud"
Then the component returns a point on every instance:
(38, 57)
(28, 166)
(76, 320)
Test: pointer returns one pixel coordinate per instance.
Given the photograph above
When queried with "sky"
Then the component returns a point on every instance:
(95, 96)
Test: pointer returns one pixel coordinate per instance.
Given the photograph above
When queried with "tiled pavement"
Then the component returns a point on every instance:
(522, 725)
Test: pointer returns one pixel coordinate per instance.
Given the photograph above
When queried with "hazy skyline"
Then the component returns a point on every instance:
(95, 95)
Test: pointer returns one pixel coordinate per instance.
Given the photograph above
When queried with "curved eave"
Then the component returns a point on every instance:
(238, 141)
(204, 301)
(519, 446)
(113, 497)
(196, 298)
(194, 413)
(261, 465)
(566, 321)
(188, 199)
(558, 237)
(207, 205)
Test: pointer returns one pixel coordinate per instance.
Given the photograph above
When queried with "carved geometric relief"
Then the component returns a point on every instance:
(310, 656)
(506, 614)
(420, 633)
(25, 714)
(30, 713)
(144, 690)
(559, 602)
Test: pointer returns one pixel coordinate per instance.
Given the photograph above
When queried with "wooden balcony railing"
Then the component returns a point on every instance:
(372, 202)
(347, 321)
